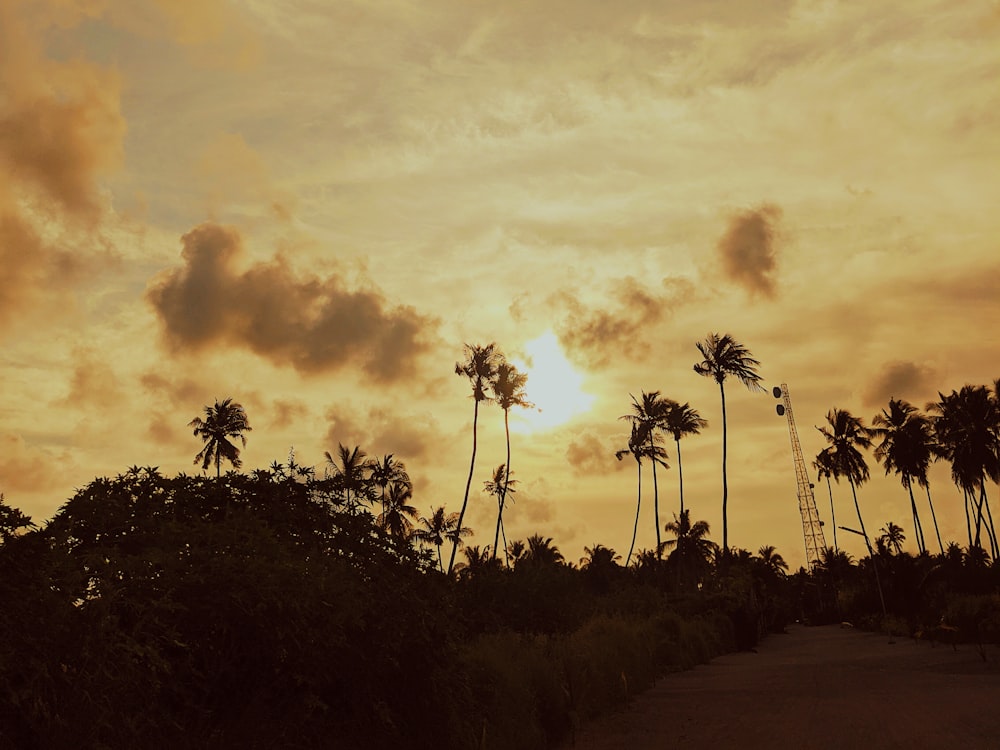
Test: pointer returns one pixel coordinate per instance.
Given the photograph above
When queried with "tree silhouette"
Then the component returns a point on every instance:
(692, 550)
(349, 469)
(500, 486)
(386, 470)
(648, 414)
(541, 551)
(824, 470)
(224, 420)
(892, 537)
(906, 449)
(437, 529)
(480, 367)
(508, 390)
(723, 356)
(680, 420)
(772, 562)
(638, 448)
(397, 516)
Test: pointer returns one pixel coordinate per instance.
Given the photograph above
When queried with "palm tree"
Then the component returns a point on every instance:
(386, 470)
(772, 561)
(599, 557)
(224, 420)
(541, 551)
(476, 561)
(824, 469)
(508, 391)
(350, 467)
(500, 486)
(480, 367)
(905, 449)
(724, 356)
(680, 420)
(892, 537)
(516, 551)
(648, 414)
(397, 514)
(966, 426)
(638, 449)
(693, 551)
(438, 528)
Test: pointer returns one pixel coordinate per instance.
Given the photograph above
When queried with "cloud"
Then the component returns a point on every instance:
(378, 432)
(287, 411)
(313, 324)
(599, 334)
(589, 456)
(900, 379)
(232, 172)
(93, 383)
(24, 468)
(747, 249)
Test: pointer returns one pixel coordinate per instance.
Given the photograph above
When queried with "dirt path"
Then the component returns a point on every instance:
(818, 688)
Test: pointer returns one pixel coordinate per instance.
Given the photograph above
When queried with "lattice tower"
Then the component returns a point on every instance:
(812, 527)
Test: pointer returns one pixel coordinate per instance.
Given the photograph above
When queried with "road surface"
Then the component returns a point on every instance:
(817, 688)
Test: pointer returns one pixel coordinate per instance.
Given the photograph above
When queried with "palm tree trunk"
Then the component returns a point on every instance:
(725, 483)
(871, 552)
(506, 482)
(991, 531)
(440, 561)
(934, 518)
(918, 530)
(638, 505)
(968, 520)
(656, 496)
(468, 485)
(979, 513)
(833, 515)
(680, 472)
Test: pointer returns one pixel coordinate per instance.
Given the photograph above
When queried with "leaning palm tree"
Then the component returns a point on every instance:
(724, 356)
(905, 449)
(222, 421)
(680, 420)
(638, 448)
(480, 367)
(500, 486)
(648, 414)
(508, 390)
(349, 467)
(824, 470)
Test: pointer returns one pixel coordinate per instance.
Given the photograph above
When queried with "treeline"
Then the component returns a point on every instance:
(266, 611)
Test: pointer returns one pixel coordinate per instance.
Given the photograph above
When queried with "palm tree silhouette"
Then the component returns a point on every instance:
(480, 367)
(724, 356)
(648, 414)
(386, 470)
(438, 528)
(224, 420)
(349, 467)
(824, 470)
(680, 420)
(772, 562)
(692, 550)
(541, 551)
(636, 449)
(906, 449)
(599, 557)
(892, 537)
(397, 514)
(508, 391)
(965, 424)
(846, 434)
(500, 485)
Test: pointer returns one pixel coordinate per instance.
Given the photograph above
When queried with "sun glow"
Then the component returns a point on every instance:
(553, 386)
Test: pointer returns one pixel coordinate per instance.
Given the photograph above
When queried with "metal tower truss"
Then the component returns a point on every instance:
(812, 527)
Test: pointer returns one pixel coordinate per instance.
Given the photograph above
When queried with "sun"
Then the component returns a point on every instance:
(554, 387)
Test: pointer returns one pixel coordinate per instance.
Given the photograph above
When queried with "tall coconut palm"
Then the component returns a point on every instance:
(225, 419)
(500, 485)
(846, 435)
(508, 390)
(385, 471)
(905, 449)
(480, 367)
(966, 424)
(638, 448)
(438, 528)
(824, 470)
(648, 414)
(350, 468)
(692, 550)
(397, 517)
(680, 420)
(723, 356)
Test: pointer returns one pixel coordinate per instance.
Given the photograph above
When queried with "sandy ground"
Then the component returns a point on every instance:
(823, 687)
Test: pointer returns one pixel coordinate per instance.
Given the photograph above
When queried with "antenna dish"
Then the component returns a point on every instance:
(780, 408)
(776, 391)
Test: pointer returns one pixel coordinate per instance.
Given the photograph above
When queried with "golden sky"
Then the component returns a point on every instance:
(310, 205)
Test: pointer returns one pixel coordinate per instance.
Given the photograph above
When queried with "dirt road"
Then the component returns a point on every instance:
(818, 688)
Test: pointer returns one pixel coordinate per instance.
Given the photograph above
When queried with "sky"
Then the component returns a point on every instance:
(310, 206)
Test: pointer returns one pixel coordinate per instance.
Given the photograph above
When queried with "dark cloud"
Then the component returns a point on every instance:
(598, 333)
(286, 412)
(906, 380)
(378, 432)
(589, 455)
(747, 249)
(25, 468)
(311, 323)
(93, 383)
(180, 391)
